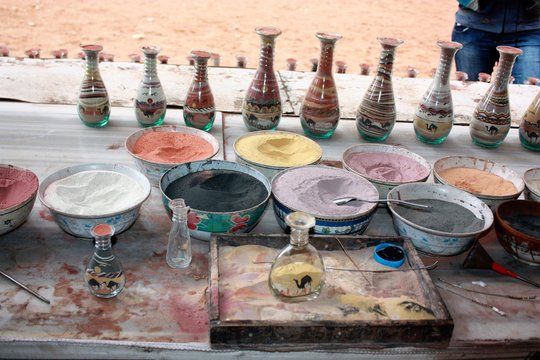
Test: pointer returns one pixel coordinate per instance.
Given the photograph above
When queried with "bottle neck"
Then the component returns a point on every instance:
(103, 242)
(180, 215)
(386, 61)
(445, 64)
(150, 65)
(504, 70)
(266, 56)
(92, 62)
(326, 59)
(299, 237)
(201, 73)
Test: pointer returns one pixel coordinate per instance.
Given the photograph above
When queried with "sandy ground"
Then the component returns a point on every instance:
(227, 27)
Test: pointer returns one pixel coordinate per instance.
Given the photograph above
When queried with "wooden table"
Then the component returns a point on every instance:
(162, 312)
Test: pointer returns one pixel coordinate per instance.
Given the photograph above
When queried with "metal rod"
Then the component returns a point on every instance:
(493, 308)
(513, 297)
(25, 287)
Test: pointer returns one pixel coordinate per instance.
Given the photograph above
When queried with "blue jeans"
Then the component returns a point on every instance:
(479, 54)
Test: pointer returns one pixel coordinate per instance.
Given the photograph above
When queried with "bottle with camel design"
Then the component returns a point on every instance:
(93, 104)
(319, 114)
(491, 119)
(529, 129)
(104, 274)
(297, 273)
(199, 107)
(434, 116)
(376, 114)
(150, 103)
(261, 109)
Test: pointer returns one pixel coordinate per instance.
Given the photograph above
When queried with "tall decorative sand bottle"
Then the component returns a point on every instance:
(261, 109)
(376, 115)
(93, 104)
(529, 128)
(199, 108)
(491, 119)
(319, 114)
(434, 116)
(150, 103)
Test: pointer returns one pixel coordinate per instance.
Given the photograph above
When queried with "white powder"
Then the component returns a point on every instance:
(95, 192)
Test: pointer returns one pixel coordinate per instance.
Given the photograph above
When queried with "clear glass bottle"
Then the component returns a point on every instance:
(261, 109)
(93, 104)
(297, 273)
(319, 114)
(150, 103)
(104, 274)
(199, 109)
(179, 246)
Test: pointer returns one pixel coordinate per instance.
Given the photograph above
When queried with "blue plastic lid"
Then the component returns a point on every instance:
(391, 255)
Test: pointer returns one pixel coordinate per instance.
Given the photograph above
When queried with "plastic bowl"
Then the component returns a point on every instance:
(203, 224)
(432, 241)
(80, 225)
(16, 214)
(524, 247)
(384, 186)
(154, 170)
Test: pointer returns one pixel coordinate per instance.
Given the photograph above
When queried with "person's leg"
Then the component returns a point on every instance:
(478, 53)
(528, 63)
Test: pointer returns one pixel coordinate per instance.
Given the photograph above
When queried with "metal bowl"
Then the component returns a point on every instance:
(531, 192)
(80, 225)
(384, 186)
(155, 170)
(15, 215)
(202, 224)
(432, 241)
(486, 165)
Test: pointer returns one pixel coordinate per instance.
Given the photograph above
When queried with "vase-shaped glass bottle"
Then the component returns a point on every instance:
(199, 108)
(319, 114)
(93, 104)
(529, 128)
(376, 115)
(491, 119)
(434, 115)
(179, 245)
(261, 109)
(104, 274)
(150, 103)
(297, 273)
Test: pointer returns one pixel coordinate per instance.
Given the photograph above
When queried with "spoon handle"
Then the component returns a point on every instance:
(411, 204)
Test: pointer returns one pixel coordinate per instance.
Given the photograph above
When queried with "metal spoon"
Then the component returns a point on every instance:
(346, 199)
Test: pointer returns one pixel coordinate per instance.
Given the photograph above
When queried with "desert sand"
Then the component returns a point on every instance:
(227, 28)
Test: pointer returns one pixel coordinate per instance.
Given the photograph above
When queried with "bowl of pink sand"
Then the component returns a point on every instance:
(157, 149)
(18, 189)
(386, 166)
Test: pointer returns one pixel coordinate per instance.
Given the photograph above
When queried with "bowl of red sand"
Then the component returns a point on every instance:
(18, 189)
(157, 149)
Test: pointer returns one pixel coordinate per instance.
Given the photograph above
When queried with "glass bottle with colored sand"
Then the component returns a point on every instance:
(93, 104)
(199, 108)
(297, 273)
(150, 103)
(434, 116)
(319, 114)
(491, 119)
(376, 115)
(104, 274)
(529, 128)
(179, 245)
(261, 109)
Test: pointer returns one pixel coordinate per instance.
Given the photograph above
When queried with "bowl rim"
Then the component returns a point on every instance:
(500, 221)
(520, 186)
(262, 179)
(372, 209)
(277, 132)
(32, 195)
(75, 169)
(484, 209)
(398, 149)
(526, 180)
(170, 128)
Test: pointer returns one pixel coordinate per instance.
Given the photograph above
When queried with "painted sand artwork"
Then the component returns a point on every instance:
(346, 295)
(227, 28)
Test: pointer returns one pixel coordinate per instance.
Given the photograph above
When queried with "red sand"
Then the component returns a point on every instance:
(172, 147)
(16, 186)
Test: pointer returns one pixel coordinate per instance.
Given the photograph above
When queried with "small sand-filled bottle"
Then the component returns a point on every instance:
(104, 274)
(297, 273)
(199, 108)
(179, 246)
(529, 128)
(93, 104)
(150, 103)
